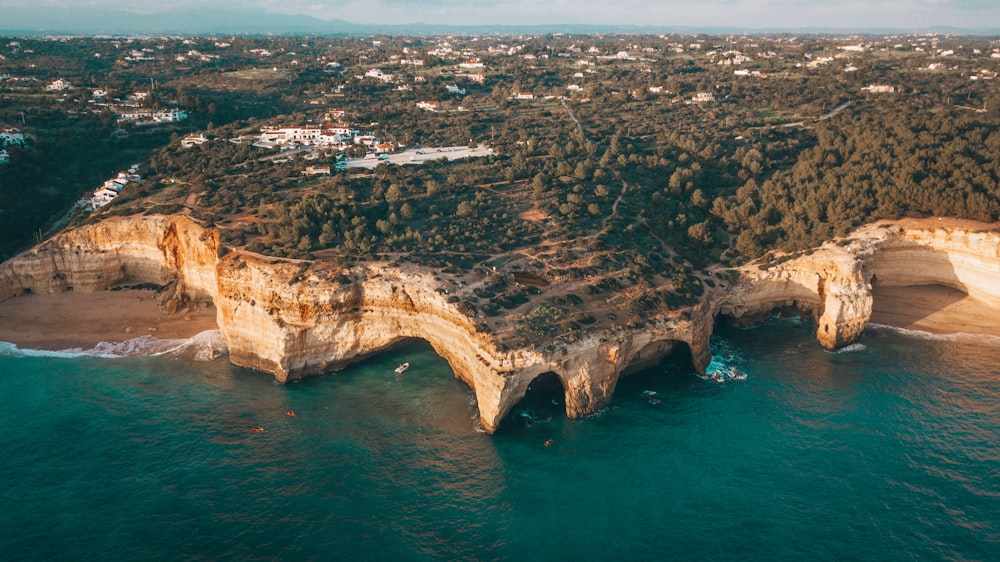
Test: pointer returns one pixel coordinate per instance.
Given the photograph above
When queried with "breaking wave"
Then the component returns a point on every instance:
(725, 359)
(851, 348)
(205, 346)
(962, 337)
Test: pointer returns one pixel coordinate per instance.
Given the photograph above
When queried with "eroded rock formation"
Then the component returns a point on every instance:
(293, 320)
(834, 282)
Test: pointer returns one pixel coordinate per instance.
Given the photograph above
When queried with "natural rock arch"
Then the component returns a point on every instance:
(288, 319)
(538, 388)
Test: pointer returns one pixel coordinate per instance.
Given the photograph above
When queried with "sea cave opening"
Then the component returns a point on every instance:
(793, 311)
(650, 380)
(544, 400)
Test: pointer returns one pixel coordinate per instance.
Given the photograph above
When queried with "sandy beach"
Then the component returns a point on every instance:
(934, 309)
(82, 320)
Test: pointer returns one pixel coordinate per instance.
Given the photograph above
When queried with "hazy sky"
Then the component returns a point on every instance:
(737, 13)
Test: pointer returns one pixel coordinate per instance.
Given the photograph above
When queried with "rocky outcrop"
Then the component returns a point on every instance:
(296, 319)
(834, 282)
(292, 320)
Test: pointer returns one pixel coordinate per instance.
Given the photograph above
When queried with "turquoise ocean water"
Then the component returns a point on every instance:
(889, 450)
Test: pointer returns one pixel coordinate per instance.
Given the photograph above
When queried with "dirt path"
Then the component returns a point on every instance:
(579, 127)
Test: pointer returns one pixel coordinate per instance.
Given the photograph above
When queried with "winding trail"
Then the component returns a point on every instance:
(835, 110)
(614, 210)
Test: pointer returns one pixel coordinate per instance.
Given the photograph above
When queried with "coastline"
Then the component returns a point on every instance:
(293, 320)
(933, 309)
(83, 320)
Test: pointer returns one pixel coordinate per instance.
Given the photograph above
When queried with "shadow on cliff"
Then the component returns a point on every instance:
(544, 403)
(912, 283)
(544, 400)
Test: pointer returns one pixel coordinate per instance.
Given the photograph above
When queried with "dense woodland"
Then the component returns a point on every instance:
(620, 174)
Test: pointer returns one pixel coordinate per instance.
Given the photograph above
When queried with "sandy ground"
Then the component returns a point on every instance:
(73, 320)
(934, 309)
(82, 320)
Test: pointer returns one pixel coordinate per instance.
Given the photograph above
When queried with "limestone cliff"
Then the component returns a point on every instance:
(296, 319)
(834, 282)
(286, 318)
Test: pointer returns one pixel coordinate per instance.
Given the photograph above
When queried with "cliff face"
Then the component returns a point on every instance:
(834, 282)
(921, 253)
(281, 317)
(291, 320)
(160, 250)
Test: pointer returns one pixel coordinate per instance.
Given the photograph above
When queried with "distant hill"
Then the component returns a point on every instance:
(195, 21)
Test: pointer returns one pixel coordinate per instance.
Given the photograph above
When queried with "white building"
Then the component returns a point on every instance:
(317, 171)
(4, 156)
(58, 85)
(193, 140)
(702, 97)
(111, 188)
(317, 135)
(879, 89)
(377, 74)
(165, 116)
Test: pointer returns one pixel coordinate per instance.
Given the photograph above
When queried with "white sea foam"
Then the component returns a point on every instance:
(8, 349)
(851, 348)
(203, 347)
(963, 337)
(725, 359)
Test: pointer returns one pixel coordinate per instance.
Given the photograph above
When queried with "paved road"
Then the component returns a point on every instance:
(421, 155)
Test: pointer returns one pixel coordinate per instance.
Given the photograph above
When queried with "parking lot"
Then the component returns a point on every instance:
(421, 155)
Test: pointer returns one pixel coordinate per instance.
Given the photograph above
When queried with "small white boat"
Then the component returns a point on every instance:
(402, 367)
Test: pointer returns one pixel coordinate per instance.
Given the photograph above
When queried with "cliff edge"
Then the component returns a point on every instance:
(295, 319)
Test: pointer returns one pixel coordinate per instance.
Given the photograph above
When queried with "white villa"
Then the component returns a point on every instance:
(326, 134)
(166, 116)
(379, 75)
(193, 140)
(702, 97)
(58, 85)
